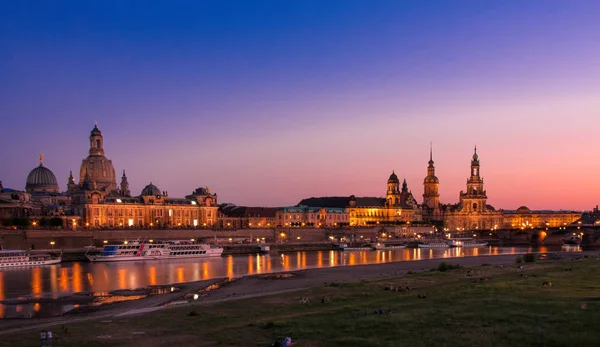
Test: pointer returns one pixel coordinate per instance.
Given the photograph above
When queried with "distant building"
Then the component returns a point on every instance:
(472, 211)
(236, 217)
(98, 201)
(318, 217)
(524, 218)
(15, 204)
(101, 203)
(399, 206)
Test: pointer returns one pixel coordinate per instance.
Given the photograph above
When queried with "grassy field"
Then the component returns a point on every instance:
(479, 306)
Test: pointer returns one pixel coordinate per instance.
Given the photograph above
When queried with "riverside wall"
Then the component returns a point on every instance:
(78, 239)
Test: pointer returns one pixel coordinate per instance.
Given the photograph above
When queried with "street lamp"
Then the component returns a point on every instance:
(52, 244)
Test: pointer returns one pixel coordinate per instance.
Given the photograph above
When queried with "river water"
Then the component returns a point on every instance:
(60, 280)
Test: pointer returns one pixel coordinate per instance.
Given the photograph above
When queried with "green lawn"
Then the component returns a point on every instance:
(460, 309)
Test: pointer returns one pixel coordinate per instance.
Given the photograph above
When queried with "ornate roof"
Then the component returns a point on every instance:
(95, 131)
(342, 201)
(393, 178)
(41, 179)
(151, 190)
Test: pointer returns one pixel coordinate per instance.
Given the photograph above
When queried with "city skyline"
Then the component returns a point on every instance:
(269, 103)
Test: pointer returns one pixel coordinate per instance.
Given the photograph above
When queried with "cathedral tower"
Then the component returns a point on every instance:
(125, 186)
(71, 182)
(392, 197)
(431, 196)
(475, 198)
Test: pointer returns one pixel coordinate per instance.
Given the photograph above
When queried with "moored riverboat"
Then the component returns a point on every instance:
(466, 242)
(136, 251)
(15, 258)
(574, 240)
(433, 244)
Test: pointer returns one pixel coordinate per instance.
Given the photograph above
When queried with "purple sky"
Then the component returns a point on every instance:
(269, 102)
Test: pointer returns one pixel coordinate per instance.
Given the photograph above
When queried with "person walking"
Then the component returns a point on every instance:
(49, 338)
(43, 338)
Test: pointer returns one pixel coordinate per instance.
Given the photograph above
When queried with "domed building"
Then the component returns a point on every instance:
(41, 180)
(45, 193)
(150, 190)
(97, 167)
(102, 204)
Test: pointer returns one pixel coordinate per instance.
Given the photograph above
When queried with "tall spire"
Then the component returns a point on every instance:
(430, 151)
(125, 185)
(41, 159)
(430, 154)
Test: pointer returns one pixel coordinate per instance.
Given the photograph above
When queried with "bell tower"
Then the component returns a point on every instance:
(70, 182)
(431, 196)
(392, 197)
(125, 186)
(475, 198)
(96, 141)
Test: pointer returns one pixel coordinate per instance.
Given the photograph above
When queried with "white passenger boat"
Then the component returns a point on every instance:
(9, 258)
(466, 242)
(433, 244)
(378, 246)
(154, 251)
(381, 246)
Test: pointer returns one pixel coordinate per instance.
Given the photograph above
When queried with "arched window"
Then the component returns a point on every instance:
(98, 144)
(475, 206)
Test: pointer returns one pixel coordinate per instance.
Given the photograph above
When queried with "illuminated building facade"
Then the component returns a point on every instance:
(472, 212)
(431, 196)
(101, 203)
(399, 206)
(524, 218)
(318, 217)
(234, 217)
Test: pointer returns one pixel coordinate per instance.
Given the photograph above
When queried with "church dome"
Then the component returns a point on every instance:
(96, 166)
(151, 190)
(100, 170)
(393, 178)
(523, 209)
(41, 179)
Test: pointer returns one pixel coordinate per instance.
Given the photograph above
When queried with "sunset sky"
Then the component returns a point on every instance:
(269, 102)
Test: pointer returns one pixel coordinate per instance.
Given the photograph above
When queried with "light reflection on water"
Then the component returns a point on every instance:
(64, 279)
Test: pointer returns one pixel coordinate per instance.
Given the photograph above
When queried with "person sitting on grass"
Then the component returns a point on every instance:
(283, 343)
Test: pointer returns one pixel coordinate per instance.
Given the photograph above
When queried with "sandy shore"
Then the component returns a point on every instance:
(257, 285)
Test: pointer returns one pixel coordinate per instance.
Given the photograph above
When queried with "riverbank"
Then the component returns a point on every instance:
(486, 301)
(257, 285)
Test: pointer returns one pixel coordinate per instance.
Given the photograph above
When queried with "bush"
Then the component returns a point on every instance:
(445, 267)
(529, 258)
